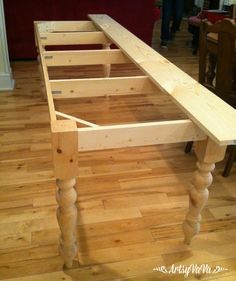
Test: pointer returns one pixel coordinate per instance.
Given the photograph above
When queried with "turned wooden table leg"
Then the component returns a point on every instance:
(65, 158)
(207, 153)
(67, 219)
(198, 196)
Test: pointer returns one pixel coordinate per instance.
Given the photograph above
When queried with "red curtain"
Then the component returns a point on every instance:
(136, 16)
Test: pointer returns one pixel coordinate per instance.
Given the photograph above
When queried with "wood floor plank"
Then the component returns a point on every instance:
(223, 211)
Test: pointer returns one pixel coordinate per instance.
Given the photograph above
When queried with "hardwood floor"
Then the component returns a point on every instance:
(131, 202)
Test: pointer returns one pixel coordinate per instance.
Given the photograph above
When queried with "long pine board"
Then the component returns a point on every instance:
(215, 117)
(140, 134)
(73, 38)
(85, 57)
(73, 88)
(66, 26)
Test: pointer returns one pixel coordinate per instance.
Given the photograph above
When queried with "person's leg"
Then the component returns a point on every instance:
(167, 7)
(195, 41)
(178, 8)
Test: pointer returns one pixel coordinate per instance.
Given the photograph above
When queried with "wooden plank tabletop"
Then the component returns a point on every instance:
(215, 117)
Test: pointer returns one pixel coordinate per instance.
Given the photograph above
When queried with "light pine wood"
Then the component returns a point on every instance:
(167, 78)
(68, 26)
(67, 219)
(88, 57)
(73, 38)
(107, 67)
(64, 142)
(76, 119)
(207, 153)
(209, 112)
(117, 136)
(64, 147)
(75, 88)
(45, 74)
(198, 198)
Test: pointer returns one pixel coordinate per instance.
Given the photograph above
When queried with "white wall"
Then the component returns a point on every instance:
(199, 3)
(6, 81)
(227, 2)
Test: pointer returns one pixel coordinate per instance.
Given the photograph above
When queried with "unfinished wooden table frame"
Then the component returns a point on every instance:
(211, 123)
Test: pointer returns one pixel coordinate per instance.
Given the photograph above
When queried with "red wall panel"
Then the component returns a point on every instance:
(137, 16)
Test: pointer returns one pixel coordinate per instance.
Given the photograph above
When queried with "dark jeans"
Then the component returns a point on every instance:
(195, 30)
(171, 9)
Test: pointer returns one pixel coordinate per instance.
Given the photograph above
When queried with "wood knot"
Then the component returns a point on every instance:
(59, 150)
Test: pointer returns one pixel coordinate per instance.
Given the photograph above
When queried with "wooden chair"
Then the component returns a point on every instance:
(217, 66)
(217, 59)
(194, 21)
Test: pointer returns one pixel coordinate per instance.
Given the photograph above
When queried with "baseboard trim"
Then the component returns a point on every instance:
(6, 82)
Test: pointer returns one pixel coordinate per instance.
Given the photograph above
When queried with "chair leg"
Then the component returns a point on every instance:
(230, 161)
(188, 147)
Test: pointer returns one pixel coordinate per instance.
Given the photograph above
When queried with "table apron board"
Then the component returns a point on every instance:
(205, 111)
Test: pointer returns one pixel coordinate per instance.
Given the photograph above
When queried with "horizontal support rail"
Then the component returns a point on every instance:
(45, 76)
(66, 26)
(81, 121)
(88, 57)
(96, 87)
(73, 38)
(117, 136)
(215, 117)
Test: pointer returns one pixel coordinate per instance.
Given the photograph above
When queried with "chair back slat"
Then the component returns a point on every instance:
(217, 59)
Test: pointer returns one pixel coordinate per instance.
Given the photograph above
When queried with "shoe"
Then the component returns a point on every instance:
(163, 45)
(194, 51)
